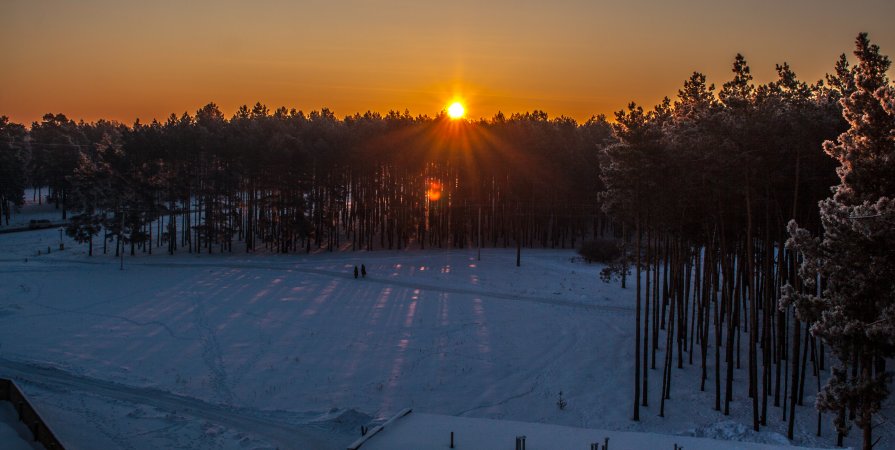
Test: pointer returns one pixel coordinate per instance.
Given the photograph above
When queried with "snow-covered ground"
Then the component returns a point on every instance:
(290, 351)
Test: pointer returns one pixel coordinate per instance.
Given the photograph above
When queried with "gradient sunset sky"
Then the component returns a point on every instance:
(124, 60)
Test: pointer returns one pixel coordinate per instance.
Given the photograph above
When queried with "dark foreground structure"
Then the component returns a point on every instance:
(10, 392)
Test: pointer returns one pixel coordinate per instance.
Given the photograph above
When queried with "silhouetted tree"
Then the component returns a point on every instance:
(56, 144)
(13, 159)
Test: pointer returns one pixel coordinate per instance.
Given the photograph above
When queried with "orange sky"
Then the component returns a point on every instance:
(124, 60)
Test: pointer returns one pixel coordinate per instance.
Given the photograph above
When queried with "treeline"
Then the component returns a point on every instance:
(288, 181)
(705, 187)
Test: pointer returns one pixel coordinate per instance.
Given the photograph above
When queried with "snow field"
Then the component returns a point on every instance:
(233, 351)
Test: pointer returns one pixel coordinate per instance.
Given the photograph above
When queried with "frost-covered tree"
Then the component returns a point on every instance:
(848, 273)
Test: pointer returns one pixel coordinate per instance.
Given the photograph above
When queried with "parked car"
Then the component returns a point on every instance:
(35, 224)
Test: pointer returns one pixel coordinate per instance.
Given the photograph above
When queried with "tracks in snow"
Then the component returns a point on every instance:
(212, 356)
(279, 433)
(385, 281)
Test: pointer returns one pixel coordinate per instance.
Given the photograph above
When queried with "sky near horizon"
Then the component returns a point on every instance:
(93, 59)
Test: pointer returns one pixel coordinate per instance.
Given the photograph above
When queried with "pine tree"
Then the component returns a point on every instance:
(56, 145)
(91, 190)
(12, 167)
(852, 308)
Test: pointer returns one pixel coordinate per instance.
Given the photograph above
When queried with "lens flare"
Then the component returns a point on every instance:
(434, 191)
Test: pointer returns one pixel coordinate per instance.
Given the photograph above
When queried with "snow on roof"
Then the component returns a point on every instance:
(420, 431)
(12, 431)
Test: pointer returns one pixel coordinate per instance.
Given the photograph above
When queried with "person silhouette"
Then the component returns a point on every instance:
(355, 271)
(363, 271)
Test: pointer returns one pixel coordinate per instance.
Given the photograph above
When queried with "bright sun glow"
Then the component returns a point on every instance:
(456, 110)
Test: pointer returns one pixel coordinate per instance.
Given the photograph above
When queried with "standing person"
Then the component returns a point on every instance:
(355, 271)
(363, 271)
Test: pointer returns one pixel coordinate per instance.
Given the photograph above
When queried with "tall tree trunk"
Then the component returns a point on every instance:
(646, 316)
(637, 331)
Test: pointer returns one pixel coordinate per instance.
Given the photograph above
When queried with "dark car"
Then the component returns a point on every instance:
(35, 224)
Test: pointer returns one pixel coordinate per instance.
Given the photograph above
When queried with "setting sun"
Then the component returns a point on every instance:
(456, 110)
